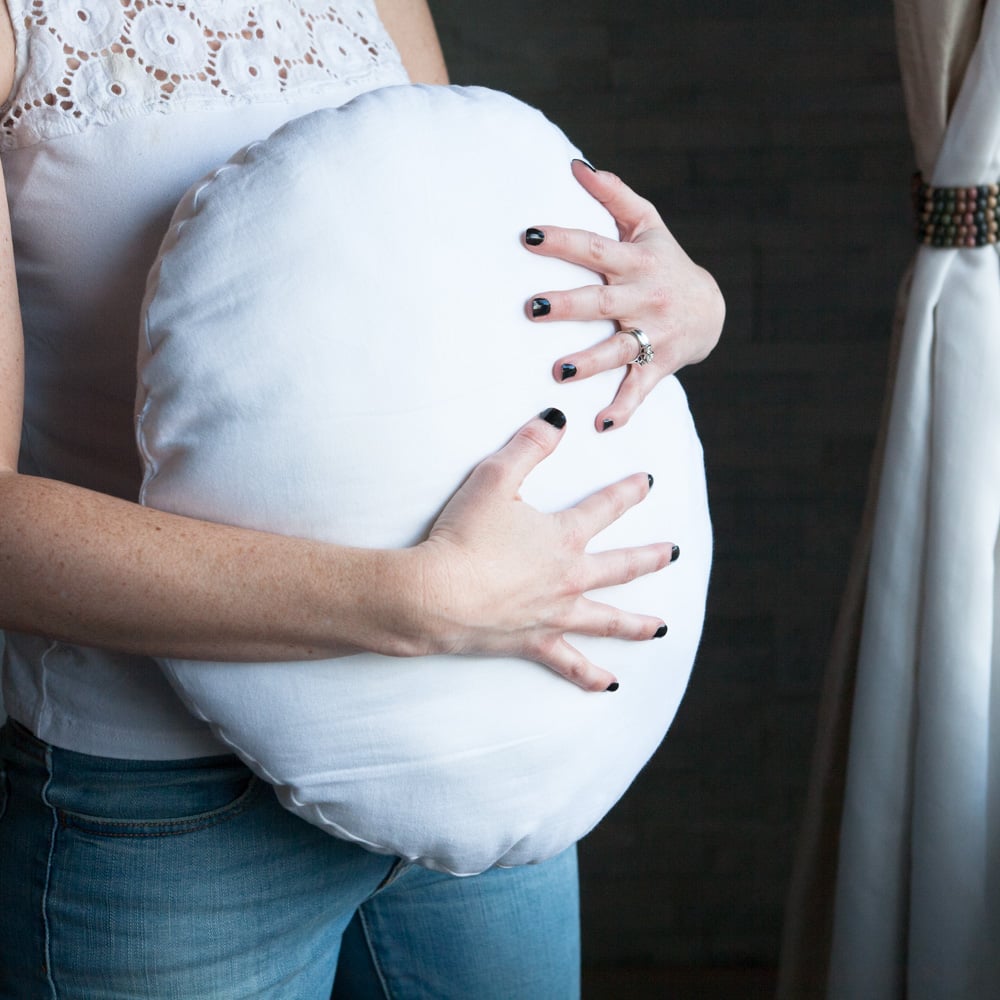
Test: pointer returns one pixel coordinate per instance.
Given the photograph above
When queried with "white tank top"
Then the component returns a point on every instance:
(118, 107)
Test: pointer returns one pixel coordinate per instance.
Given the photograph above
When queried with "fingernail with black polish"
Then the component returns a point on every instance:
(540, 307)
(534, 237)
(607, 425)
(649, 476)
(568, 371)
(613, 686)
(675, 553)
(589, 166)
(660, 632)
(553, 416)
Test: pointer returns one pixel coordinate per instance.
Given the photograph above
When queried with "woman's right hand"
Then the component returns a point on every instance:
(500, 577)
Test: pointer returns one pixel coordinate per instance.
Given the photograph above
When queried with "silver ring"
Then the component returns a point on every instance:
(646, 351)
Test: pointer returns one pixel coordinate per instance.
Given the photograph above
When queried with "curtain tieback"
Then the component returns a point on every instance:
(956, 216)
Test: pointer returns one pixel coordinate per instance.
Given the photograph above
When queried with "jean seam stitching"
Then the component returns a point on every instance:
(48, 872)
(399, 868)
(168, 828)
(376, 964)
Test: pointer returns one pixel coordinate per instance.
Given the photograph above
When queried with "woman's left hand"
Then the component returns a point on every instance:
(651, 285)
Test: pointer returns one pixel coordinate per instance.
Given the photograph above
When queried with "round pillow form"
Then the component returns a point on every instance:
(333, 336)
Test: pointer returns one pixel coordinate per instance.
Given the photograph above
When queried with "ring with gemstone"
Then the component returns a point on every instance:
(646, 351)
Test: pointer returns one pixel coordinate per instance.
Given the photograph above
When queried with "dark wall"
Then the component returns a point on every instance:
(770, 134)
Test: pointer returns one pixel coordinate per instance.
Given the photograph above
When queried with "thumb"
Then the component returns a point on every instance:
(507, 469)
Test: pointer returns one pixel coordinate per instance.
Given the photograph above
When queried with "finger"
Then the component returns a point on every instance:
(586, 303)
(633, 389)
(595, 512)
(613, 352)
(609, 622)
(567, 661)
(602, 620)
(618, 566)
(633, 213)
(506, 469)
(578, 246)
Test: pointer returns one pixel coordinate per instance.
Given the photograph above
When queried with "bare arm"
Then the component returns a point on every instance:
(11, 341)
(92, 569)
(495, 576)
(411, 27)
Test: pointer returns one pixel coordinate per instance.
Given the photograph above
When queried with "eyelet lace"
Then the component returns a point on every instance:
(83, 62)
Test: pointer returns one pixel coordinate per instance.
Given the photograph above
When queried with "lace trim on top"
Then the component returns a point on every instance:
(84, 62)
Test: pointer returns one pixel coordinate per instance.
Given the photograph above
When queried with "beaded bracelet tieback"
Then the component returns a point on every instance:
(956, 216)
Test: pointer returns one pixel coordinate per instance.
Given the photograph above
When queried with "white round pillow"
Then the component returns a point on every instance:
(333, 337)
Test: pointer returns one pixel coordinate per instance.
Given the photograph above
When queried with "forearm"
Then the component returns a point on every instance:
(495, 576)
(95, 570)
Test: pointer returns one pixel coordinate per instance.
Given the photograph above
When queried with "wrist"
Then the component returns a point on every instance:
(395, 601)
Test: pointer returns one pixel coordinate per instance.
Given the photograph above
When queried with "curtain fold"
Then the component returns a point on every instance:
(935, 40)
(891, 892)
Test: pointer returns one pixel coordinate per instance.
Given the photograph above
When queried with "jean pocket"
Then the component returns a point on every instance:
(155, 804)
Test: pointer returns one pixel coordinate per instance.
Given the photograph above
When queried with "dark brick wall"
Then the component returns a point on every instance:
(771, 136)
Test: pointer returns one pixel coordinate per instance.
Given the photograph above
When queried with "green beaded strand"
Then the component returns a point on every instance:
(956, 216)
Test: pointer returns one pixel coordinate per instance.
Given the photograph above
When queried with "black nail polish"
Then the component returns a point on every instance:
(540, 307)
(553, 416)
(660, 632)
(589, 166)
(534, 237)
(568, 371)
(649, 476)
(675, 553)
(613, 686)
(607, 425)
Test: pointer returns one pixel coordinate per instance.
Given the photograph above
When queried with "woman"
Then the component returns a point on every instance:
(136, 859)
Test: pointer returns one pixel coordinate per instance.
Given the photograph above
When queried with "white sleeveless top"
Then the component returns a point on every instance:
(118, 107)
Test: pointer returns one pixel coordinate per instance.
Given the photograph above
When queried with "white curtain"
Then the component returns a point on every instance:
(897, 886)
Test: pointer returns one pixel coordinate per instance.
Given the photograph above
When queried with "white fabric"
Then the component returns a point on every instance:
(101, 62)
(334, 337)
(88, 210)
(917, 889)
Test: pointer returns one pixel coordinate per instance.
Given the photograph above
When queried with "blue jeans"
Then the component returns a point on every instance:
(186, 879)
